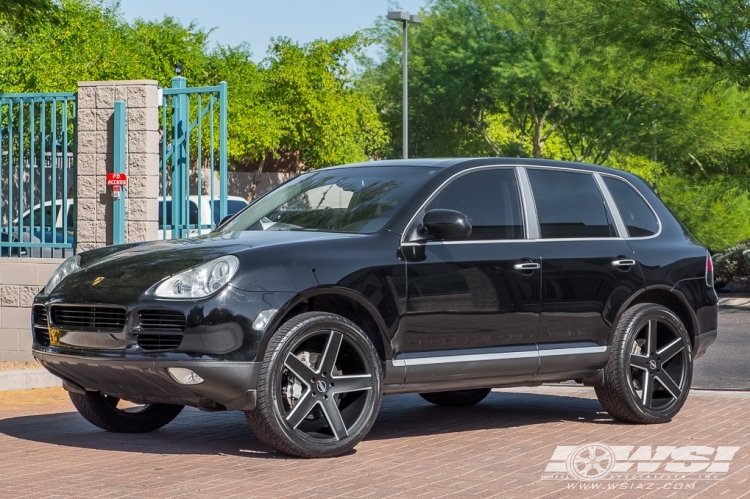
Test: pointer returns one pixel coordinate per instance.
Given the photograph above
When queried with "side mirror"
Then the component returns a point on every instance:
(446, 224)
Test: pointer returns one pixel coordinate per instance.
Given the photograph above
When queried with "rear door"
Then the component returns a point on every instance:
(472, 310)
(588, 271)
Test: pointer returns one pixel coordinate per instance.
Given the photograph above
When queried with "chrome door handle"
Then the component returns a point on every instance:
(527, 266)
(623, 263)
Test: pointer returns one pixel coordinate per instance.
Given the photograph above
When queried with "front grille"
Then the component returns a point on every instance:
(159, 329)
(88, 317)
(39, 325)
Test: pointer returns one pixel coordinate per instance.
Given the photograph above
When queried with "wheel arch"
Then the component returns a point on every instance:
(338, 300)
(665, 296)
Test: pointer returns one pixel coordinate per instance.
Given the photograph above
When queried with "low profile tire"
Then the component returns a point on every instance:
(650, 369)
(103, 411)
(319, 388)
(456, 398)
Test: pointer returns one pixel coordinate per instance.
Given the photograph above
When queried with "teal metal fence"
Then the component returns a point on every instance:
(193, 162)
(118, 166)
(37, 174)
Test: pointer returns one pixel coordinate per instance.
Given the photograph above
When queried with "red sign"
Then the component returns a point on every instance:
(115, 179)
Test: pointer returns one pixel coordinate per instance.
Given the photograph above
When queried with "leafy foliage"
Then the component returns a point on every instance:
(300, 98)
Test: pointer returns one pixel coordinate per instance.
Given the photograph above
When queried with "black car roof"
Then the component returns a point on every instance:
(467, 162)
(426, 162)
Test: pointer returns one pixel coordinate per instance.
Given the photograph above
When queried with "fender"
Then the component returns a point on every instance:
(359, 298)
(672, 290)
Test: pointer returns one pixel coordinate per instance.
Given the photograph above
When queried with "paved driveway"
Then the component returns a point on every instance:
(500, 448)
(726, 364)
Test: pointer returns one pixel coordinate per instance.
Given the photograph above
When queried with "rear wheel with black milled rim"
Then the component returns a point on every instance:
(319, 388)
(650, 370)
(118, 416)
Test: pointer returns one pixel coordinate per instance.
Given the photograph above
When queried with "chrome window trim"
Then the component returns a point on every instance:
(528, 206)
(615, 176)
(609, 201)
(524, 354)
(620, 234)
(656, 215)
(527, 199)
(483, 241)
(440, 188)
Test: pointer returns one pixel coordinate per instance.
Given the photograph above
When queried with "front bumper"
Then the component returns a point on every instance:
(227, 385)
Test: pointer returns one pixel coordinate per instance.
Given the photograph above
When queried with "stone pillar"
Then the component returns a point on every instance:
(95, 147)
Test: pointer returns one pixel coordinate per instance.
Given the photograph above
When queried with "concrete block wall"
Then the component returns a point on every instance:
(95, 159)
(20, 280)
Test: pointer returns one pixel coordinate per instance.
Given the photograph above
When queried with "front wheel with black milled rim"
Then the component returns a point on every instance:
(118, 416)
(319, 388)
(650, 369)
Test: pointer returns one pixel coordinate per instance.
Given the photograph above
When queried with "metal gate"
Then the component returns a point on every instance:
(37, 174)
(193, 161)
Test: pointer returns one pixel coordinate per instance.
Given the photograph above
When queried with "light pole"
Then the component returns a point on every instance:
(405, 19)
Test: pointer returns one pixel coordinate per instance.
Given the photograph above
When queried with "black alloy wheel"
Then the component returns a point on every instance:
(319, 390)
(649, 374)
(115, 415)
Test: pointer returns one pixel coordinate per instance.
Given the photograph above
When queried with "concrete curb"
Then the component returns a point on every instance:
(735, 302)
(26, 379)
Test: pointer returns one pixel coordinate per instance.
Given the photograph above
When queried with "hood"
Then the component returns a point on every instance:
(129, 270)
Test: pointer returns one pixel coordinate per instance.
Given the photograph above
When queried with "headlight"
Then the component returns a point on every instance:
(201, 281)
(64, 270)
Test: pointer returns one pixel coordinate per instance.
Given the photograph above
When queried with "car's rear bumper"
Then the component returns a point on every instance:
(227, 385)
(702, 342)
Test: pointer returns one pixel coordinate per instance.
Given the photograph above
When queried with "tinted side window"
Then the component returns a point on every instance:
(72, 216)
(638, 217)
(38, 217)
(162, 205)
(489, 198)
(233, 206)
(193, 214)
(569, 205)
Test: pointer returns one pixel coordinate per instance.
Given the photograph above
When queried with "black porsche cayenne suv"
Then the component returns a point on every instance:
(441, 277)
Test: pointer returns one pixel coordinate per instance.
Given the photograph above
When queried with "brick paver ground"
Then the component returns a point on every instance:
(499, 448)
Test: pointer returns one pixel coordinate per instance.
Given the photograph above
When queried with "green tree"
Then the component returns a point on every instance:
(24, 11)
(302, 97)
(708, 31)
(483, 65)
(321, 112)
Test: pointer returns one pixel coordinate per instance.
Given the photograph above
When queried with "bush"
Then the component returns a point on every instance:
(715, 210)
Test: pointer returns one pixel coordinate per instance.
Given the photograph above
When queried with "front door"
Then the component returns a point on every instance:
(473, 305)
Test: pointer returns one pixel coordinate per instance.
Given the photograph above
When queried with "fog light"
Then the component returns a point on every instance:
(260, 322)
(185, 376)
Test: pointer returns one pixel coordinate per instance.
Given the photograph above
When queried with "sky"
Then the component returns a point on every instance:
(256, 22)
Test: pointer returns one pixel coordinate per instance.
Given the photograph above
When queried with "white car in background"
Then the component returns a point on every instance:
(52, 231)
(210, 214)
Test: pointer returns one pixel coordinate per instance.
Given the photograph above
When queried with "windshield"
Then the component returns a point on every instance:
(358, 200)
